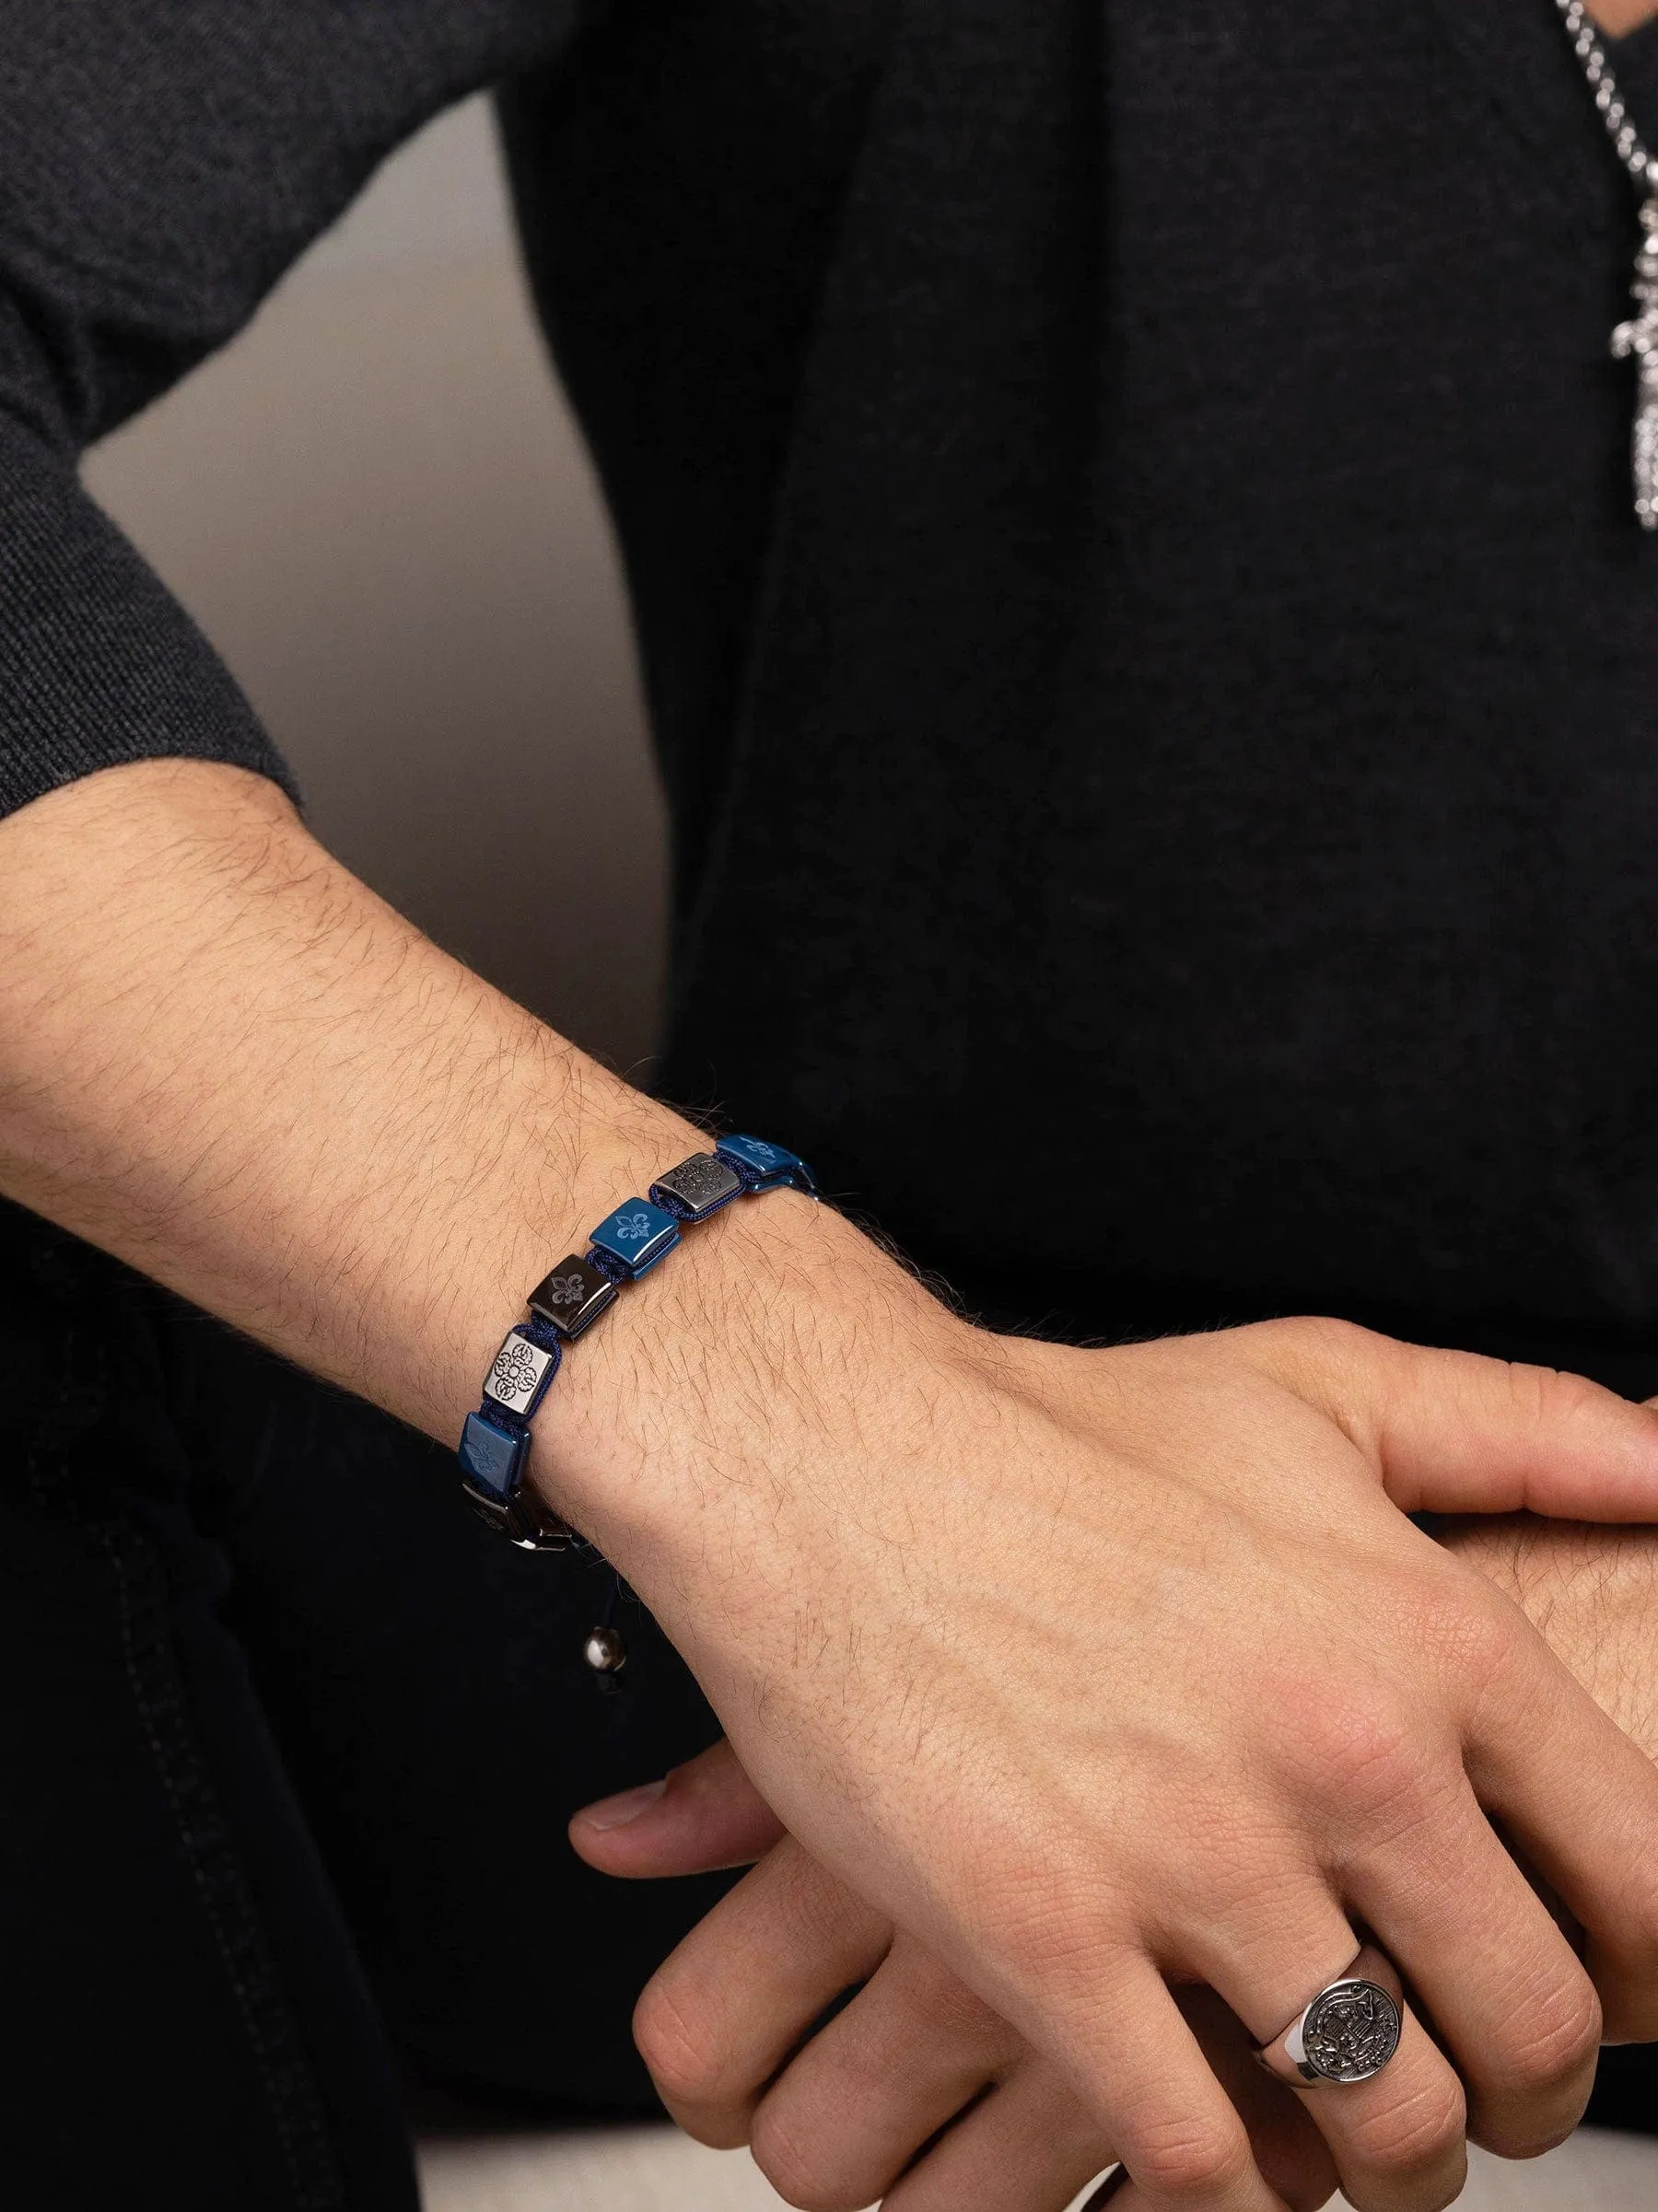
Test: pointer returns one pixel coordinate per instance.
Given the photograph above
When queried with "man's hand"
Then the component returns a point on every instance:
(1092, 1671)
(1212, 1702)
(915, 2092)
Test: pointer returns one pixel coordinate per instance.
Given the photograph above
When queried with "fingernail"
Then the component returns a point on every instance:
(1107, 2190)
(615, 1813)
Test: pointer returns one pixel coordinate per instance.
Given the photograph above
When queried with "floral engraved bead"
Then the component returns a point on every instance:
(521, 1372)
(698, 1186)
(515, 1367)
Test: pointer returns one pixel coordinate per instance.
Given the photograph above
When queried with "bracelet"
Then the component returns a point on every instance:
(495, 1444)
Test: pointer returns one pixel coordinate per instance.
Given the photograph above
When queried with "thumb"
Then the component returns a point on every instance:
(1450, 1432)
(705, 1814)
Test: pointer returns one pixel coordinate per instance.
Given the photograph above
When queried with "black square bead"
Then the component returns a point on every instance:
(572, 1295)
(699, 1183)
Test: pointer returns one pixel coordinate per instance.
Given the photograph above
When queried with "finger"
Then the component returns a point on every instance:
(1138, 2064)
(1118, 2192)
(1288, 2148)
(1397, 2139)
(1450, 1432)
(1582, 1801)
(705, 1814)
(1499, 1981)
(721, 2015)
(858, 2102)
(1029, 2146)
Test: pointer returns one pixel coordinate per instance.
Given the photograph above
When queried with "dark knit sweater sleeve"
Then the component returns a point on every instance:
(161, 163)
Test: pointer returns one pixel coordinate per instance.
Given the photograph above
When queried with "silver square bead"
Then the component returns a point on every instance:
(700, 1183)
(521, 1373)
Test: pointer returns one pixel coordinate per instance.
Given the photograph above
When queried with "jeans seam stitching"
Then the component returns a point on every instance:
(229, 1912)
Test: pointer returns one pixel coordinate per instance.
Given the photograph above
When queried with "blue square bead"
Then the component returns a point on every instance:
(492, 1455)
(637, 1235)
(769, 1167)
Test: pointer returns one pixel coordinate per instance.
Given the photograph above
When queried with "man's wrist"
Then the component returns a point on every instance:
(673, 1401)
(269, 1092)
(604, 1269)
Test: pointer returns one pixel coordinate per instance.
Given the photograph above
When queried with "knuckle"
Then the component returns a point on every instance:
(1415, 2131)
(678, 2037)
(1551, 1397)
(1187, 2158)
(1467, 1632)
(1367, 1754)
(1339, 1339)
(1552, 2038)
(1309, 1346)
(797, 2170)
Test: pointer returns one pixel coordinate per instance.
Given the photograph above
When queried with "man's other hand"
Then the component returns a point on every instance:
(916, 2091)
(1591, 1591)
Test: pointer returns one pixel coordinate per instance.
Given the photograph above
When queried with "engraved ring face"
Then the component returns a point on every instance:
(1349, 2031)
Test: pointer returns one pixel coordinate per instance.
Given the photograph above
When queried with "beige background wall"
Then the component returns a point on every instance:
(377, 507)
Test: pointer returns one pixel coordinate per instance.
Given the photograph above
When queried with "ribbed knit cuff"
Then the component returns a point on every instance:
(99, 663)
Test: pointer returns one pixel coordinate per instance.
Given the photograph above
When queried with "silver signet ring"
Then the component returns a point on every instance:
(1347, 2032)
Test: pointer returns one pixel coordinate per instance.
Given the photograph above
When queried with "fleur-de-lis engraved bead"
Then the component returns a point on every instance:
(636, 1235)
(573, 1296)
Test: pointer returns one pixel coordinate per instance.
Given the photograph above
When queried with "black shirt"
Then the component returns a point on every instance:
(1128, 513)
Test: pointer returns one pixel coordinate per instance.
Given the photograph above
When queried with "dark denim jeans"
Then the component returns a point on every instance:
(289, 1746)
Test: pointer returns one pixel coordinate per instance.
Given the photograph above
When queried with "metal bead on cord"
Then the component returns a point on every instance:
(605, 1650)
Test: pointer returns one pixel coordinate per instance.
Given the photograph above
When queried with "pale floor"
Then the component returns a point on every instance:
(654, 2170)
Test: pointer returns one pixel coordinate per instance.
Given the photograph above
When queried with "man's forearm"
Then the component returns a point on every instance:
(225, 1060)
